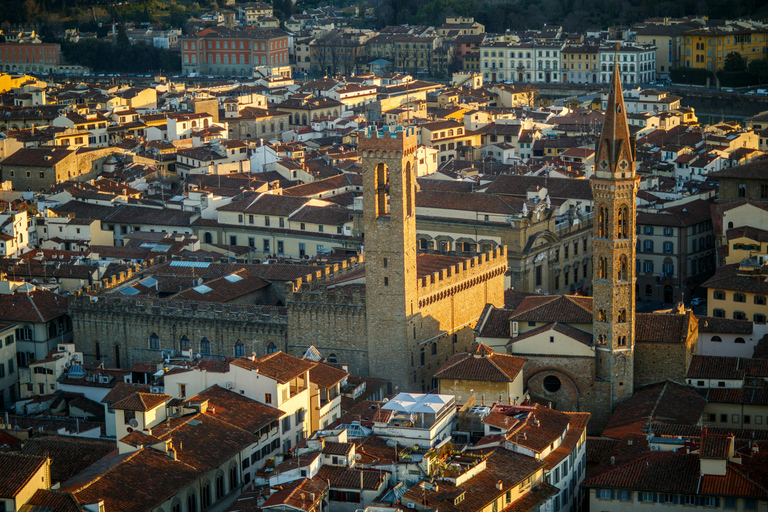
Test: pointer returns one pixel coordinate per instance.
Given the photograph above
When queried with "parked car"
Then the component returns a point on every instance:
(697, 301)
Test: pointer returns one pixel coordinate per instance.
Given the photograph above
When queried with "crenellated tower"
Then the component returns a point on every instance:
(389, 214)
(614, 191)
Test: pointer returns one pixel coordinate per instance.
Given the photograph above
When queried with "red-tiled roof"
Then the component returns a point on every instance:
(37, 306)
(676, 473)
(568, 309)
(481, 364)
(279, 366)
(298, 495)
(346, 478)
(69, 455)
(139, 401)
(664, 402)
(236, 409)
(55, 501)
(662, 327)
(17, 471)
(325, 375)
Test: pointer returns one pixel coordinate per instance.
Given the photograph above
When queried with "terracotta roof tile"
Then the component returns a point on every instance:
(568, 309)
(55, 501)
(714, 446)
(481, 364)
(331, 448)
(297, 495)
(662, 327)
(237, 410)
(130, 483)
(663, 402)
(17, 470)
(676, 473)
(713, 324)
(348, 478)
(725, 367)
(69, 455)
(325, 375)
(139, 401)
(279, 366)
(37, 306)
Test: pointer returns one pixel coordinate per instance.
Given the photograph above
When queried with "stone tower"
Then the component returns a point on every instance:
(389, 215)
(614, 190)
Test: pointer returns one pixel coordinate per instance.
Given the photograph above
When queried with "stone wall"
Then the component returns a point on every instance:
(106, 326)
(656, 361)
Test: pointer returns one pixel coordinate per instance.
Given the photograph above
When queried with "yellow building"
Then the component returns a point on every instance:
(738, 291)
(8, 82)
(707, 48)
(579, 64)
(481, 372)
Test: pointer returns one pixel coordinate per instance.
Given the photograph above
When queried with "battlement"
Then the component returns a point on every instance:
(178, 308)
(325, 276)
(121, 277)
(482, 267)
(388, 137)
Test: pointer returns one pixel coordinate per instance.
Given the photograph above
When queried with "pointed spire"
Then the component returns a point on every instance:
(615, 149)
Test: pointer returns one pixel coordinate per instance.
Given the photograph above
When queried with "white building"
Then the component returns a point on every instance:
(417, 419)
(637, 62)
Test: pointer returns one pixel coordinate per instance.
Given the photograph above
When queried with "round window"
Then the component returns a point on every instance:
(551, 383)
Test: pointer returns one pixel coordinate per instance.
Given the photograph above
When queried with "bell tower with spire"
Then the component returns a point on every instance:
(614, 191)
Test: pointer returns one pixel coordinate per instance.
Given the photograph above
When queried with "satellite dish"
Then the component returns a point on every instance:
(133, 422)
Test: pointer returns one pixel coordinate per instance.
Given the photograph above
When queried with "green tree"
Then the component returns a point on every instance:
(122, 37)
(734, 63)
(759, 69)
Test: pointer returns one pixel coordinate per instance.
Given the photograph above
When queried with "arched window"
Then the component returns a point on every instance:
(648, 290)
(739, 340)
(421, 357)
(184, 342)
(408, 190)
(601, 315)
(117, 356)
(239, 349)
(622, 222)
(622, 316)
(716, 339)
(601, 223)
(206, 495)
(176, 506)
(207, 238)
(233, 479)
(154, 341)
(205, 346)
(622, 341)
(434, 349)
(98, 351)
(271, 348)
(382, 190)
(220, 490)
(730, 225)
(332, 358)
(192, 502)
(623, 268)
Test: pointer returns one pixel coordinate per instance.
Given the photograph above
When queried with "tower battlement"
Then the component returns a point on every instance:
(487, 264)
(389, 137)
(325, 275)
